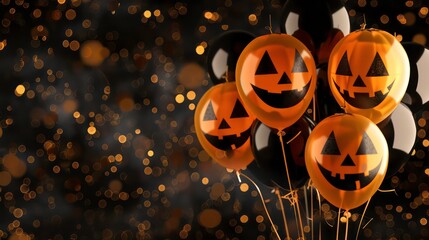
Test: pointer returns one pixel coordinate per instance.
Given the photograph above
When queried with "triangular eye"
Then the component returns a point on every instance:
(344, 67)
(266, 65)
(331, 146)
(299, 64)
(209, 114)
(359, 82)
(238, 111)
(366, 146)
(377, 67)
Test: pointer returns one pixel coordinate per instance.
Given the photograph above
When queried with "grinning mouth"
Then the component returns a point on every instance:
(364, 100)
(349, 182)
(284, 99)
(228, 142)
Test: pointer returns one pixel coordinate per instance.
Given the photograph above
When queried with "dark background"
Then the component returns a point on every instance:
(142, 173)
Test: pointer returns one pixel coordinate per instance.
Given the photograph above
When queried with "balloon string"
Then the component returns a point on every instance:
(320, 214)
(311, 217)
(347, 224)
(283, 213)
(361, 219)
(388, 190)
(299, 216)
(293, 137)
(338, 223)
(281, 133)
(295, 202)
(238, 176)
(263, 203)
(270, 27)
(314, 107)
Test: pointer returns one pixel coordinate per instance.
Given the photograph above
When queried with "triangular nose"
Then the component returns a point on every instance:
(359, 82)
(348, 161)
(224, 124)
(284, 79)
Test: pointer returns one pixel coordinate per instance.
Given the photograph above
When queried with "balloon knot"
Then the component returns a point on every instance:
(281, 133)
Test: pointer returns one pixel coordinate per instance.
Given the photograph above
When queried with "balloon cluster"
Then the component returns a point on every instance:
(362, 89)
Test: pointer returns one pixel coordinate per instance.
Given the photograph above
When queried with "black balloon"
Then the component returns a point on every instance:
(326, 105)
(223, 54)
(269, 165)
(319, 24)
(417, 94)
(400, 130)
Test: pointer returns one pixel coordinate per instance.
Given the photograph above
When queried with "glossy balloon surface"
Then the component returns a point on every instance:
(417, 93)
(346, 157)
(400, 132)
(276, 78)
(319, 24)
(223, 54)
(368, 73)
(267, 150)
(223, 126)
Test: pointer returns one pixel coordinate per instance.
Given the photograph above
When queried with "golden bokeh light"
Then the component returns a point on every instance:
(93, 53)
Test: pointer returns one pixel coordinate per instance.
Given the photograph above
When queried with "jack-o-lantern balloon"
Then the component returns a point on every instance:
(368, 73)
(223, 126)
(276, 78)
(346, 157)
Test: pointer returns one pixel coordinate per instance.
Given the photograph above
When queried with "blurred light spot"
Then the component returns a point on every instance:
(69, 105)
(5, 178)
(161, 188)
(70, 14)
(401, 18)
(244, 187)
(150, 153)
(19, 90)
(126, 104)
(410, 18)
(244, 218)
(3, 44)
(420, 38)
(14, 165)
(122, 138)
(199, 50)
(209, 218)
(423, 12)
(191, 75)
(205, 181)
(384, 19)
(115, 186)
(91, 130)
(93, 53)
(147, 14)
(180, 98)
(253, 20)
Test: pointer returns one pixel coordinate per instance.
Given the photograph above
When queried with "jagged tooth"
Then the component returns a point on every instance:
(342, 176)
(233, 147)
(371, 94)
(385, 91)
(220, 137)
(238, 135)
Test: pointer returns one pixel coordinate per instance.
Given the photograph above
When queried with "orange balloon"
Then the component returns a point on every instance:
(346, 157)
(276, 78)
(368, 73)
(223, 126)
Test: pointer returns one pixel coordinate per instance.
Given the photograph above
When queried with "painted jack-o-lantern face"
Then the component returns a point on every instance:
(346, 157)
(368, 73)
(223, 126)
(276, 78)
